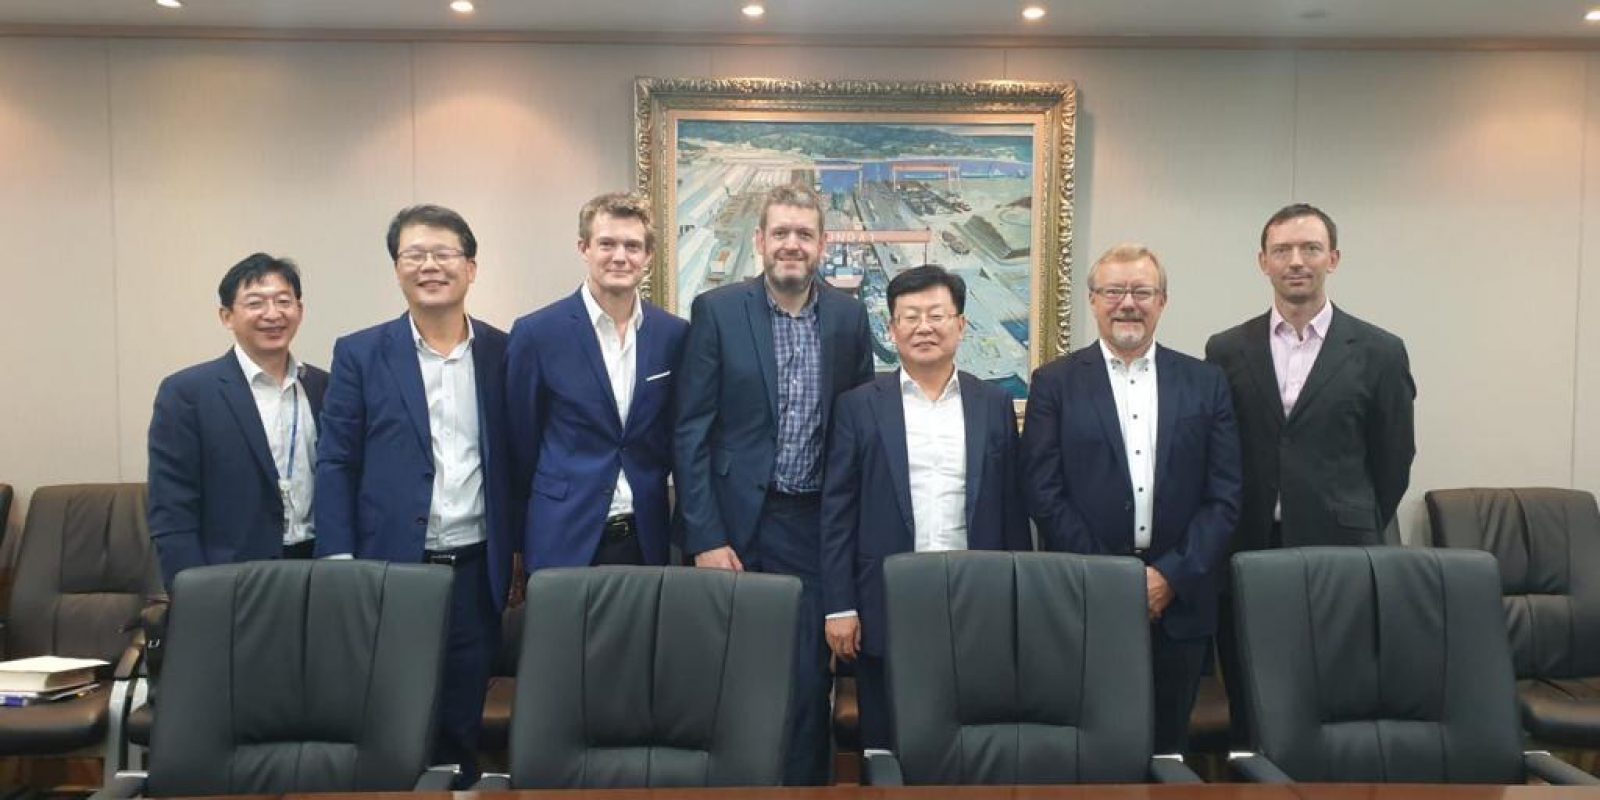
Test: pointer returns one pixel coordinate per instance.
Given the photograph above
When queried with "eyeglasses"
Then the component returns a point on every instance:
(934, 319)
(1285, 252)
(258, 304)
(1140, 294)
(416, 258)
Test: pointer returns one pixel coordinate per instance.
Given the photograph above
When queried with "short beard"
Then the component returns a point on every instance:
(789, 284)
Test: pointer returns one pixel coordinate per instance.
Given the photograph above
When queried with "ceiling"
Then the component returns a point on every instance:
(856, 19)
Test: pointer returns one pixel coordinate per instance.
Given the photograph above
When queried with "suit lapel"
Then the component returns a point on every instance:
(1258, 355)
(1097, 386)
(825, 322)
(487, 368)
(1335, 349)
(400, 356)
(760, 320)
(588, 340)
(236, 394)
(977, 440)
(891, 418)
(1167, 405)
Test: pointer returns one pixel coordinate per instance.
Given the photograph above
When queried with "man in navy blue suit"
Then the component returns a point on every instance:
(1132, 449)
(588, 397)
(919, 460)
(233, 441)
(412, 467)
(764, 360)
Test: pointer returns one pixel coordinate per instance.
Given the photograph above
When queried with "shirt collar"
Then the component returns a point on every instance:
(252, 370)
(1318, 326)
(807, 312)
(422, 344)
(952, 388)
(1148, 360)
(597, 314)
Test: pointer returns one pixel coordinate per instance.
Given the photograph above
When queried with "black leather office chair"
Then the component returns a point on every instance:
(495, 735)
(6, 495)
(84, 568)
(1547, 542)
(298, 676)
(1019, 668)
(1379, 665)
(652, 677)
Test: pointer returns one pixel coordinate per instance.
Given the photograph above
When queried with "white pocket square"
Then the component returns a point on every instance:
(658, 376)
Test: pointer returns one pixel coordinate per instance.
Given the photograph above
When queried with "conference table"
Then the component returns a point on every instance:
(1210, 791)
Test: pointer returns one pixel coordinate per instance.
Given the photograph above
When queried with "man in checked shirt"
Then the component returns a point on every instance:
(763, 362)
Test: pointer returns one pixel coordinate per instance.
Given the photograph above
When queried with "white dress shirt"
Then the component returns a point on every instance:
(622, 367)
(1134, 388)
(936, 454)
(291, 431)
(455, 515)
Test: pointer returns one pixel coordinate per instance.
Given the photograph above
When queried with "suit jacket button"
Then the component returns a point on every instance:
(427, 476)
(422, 520)
(1128, 506)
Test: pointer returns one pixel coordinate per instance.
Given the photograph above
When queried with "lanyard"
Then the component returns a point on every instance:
(294, 430)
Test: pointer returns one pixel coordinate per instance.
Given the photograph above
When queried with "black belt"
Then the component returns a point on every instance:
(1141, 553)
(455, 557)
(797, 497)
(619, 527)
(304, 549)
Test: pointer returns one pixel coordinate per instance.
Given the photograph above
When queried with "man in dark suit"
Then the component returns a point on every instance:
(1132, 449)
(919, 460)
(412, 466)
(763, 362)
(589, 390)
(233, 441)
(1325, 411)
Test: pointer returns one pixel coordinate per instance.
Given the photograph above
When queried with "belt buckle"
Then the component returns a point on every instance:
(447, 559)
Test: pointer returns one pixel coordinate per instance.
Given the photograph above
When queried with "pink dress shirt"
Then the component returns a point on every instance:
(1293, 355)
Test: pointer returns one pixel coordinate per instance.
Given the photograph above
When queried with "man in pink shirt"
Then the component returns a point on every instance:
(1324, 404)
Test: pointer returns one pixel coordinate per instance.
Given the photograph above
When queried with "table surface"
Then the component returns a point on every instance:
(1210, 791)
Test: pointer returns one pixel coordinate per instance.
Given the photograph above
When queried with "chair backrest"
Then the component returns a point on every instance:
(653, 676)
(1378, 664)
(1018, 668)
(299, 676)
(1547, 542)
(84, 569)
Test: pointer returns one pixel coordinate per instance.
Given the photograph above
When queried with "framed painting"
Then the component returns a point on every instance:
(975, 177)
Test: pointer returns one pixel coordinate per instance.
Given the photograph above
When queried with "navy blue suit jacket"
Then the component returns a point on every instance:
(866, 497)
(213, 485)
(1076, 474)
(568, 442)
(375, 457)
(727, 431)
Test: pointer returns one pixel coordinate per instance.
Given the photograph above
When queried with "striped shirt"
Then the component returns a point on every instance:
(797, 343)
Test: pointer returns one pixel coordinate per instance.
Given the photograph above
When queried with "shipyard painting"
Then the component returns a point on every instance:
(902, 187)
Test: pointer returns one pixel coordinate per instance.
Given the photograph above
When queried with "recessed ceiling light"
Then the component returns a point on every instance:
(1593, 15)
(461, 6)
(753, 10)
(170, 3)
(1033, 13)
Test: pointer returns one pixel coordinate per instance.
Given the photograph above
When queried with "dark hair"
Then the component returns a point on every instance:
(433, 217)
(254, 269)
(926, 277)
(1296, 211)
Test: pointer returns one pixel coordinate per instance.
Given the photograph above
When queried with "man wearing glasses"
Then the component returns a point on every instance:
(922, 459)
(1325, 411)
(233, 440)
(1132, 449)
(412, 466)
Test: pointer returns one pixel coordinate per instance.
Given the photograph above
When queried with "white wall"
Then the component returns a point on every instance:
(134, 172)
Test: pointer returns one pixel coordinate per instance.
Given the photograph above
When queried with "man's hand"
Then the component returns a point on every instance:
(720, 558)
(844, 637)
(1158, 593)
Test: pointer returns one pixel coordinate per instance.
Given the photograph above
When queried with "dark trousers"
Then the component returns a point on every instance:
(619, 544)
(872, 703)
(788, 542)
(1232, 675)
(470, 651)
(1176, 666)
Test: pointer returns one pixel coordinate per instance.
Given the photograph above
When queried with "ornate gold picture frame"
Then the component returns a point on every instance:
(975, 176)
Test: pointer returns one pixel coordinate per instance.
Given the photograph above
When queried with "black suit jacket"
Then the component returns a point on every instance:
(1341, 460)
(213, 485)
(1075, 474)
(866, 496)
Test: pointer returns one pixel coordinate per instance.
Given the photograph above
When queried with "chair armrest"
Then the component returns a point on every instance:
(882, 769)
(1257, 768)
(1171, 769)
(1556, 771)
(492, 782)
(124, 785)
(438, 778)
(131, 660)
